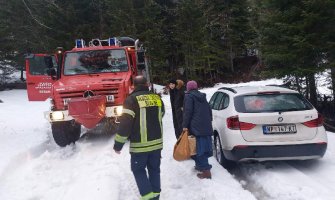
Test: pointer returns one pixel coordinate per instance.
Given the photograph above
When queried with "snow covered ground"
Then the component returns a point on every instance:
(33, 167)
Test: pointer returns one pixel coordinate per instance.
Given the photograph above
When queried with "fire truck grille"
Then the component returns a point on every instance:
(95, 92)
(64, 96)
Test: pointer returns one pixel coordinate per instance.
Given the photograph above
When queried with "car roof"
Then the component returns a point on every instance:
(255, 89)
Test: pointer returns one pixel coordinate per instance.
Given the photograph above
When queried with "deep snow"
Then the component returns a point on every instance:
(33, 167)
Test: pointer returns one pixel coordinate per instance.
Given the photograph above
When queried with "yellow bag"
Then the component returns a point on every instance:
(193, 145)
(181, 149)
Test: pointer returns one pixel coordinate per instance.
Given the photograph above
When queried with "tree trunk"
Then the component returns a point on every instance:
(21, 77)
(332, 72)
(231, 58)
(312, 89)
(100, 20)
(307, 88)
(298, 84)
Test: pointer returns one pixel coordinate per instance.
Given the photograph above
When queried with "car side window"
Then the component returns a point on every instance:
(211, 102)
(224, 102)
(217, 101)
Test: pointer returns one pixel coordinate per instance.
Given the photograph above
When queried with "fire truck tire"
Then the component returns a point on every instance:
(75, 132)
(65, 133)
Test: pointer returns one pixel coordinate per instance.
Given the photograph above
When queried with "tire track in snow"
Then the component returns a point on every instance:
(24, 157)
(294, 176)
(48, 146)
(248, 184)
(318, 170)
(279, 180)
(91, 163)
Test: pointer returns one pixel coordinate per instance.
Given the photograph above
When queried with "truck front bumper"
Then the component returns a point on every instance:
(63, 115)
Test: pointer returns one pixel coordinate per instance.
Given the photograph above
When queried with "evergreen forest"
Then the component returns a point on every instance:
(205, 40)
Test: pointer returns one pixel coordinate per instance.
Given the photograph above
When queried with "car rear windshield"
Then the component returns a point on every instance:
(90, 62)
(277, 102)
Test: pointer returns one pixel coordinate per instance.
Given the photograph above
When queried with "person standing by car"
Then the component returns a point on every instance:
(141, 123)
(172, 91)
(198, 121)
(178, 106)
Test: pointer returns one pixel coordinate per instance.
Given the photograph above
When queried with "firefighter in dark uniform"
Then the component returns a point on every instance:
(141, 123)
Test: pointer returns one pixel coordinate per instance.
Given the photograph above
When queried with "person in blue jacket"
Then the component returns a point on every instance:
(197, 119)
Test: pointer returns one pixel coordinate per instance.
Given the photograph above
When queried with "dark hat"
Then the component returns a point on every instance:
(174, 81)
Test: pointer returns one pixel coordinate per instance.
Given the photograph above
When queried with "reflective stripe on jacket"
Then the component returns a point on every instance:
(141, 122)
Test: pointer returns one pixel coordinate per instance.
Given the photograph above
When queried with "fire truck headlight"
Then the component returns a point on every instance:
(59, 50)
(57, 115)
(118, 110)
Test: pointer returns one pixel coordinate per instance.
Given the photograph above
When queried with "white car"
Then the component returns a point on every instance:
(265, 123)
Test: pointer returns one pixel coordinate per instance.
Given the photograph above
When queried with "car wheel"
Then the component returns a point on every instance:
(219, 155)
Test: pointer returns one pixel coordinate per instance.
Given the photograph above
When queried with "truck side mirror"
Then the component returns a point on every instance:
(141, 66)
(48, 62)
(140, 60)
(29, 56)
(52, 72)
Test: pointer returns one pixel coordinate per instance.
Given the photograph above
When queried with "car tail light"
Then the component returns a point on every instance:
(321, 143)
(315, 122)
(235, 124)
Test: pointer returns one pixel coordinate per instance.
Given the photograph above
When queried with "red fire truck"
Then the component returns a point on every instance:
(86, 85)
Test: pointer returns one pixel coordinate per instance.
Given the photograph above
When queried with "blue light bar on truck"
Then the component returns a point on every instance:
(80, 43)
(113, 41)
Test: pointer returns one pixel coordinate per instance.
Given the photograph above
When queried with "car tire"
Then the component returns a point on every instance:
(219, 155)
(65, 133)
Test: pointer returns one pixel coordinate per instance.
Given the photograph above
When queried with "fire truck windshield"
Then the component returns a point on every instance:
(97, 61)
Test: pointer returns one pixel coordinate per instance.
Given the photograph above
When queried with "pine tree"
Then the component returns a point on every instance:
(190, 34)
(294, 37)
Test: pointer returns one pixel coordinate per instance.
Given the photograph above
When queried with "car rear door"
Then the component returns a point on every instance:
(219, 102)
(275, 126)
(39, 83)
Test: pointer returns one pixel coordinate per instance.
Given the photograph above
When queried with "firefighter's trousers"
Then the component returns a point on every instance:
(149, 187)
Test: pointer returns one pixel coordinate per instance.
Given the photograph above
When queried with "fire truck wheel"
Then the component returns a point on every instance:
(65, 133)
(75, 132)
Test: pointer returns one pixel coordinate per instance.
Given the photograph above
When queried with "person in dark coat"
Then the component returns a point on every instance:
(172, 91)
(198, 121)
(178, 106)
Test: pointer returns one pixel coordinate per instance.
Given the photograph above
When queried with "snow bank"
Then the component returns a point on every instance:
(32, 167)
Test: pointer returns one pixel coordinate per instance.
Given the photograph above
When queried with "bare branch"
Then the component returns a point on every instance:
(34, 18)
(52, 2)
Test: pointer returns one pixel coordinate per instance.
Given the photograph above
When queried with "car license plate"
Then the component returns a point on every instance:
(280, 129)
(110, 98)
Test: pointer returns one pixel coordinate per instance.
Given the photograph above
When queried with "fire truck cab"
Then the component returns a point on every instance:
(86, 85)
